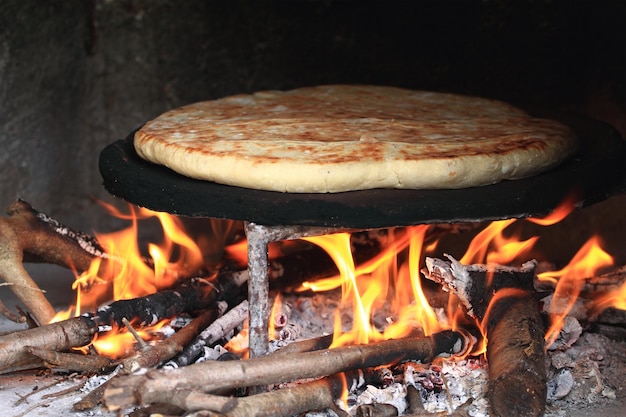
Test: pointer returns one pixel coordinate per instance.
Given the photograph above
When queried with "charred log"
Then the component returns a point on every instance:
(502, 298)
(190, 296)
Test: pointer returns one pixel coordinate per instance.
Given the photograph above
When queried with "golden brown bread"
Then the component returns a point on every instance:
(344, 137)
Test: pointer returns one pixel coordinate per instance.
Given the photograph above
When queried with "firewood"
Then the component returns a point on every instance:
(55, 336)
(285, 402)
(211, 376)
(152, 355)
(502, 298)
(188, 296)
(216, 331)
(295, 398)
(72, 361)
(31, 236)
(516, 355)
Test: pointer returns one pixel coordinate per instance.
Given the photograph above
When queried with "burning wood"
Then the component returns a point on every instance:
(501, 297)
(193, 295)
(212, 376)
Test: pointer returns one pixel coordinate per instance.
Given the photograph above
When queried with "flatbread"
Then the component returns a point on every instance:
(350, 137)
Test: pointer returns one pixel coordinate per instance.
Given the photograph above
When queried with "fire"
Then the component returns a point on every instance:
(569, 281)
(615, 299)
(366, 288)
(384, 280)
(390, 281)
(127, 274)
(491, 245)
(119, 342)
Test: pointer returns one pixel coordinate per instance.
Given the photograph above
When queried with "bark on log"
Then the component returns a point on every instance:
(72, 361)
(212, 376)
(502, 298)
(31, 236)
(285, 402)
(56, 336)
(516, 355)
(289, 401)
(189, 296)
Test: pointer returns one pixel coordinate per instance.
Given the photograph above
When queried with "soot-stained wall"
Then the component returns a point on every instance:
(76, 75)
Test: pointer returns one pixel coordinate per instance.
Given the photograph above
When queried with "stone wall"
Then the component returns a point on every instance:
(76, 75)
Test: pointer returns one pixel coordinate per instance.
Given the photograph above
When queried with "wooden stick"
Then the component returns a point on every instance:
(72, 361)
(289, 401)
(56, 337)
(516, 355)
(211, 376)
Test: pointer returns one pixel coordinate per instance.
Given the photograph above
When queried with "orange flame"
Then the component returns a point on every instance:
(126, 274)
(559, 213)
(119, 342)
(569, 281)
(492, 246)
(615, 299)
(367, 287)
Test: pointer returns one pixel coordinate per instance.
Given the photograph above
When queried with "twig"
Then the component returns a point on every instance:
(142, 343)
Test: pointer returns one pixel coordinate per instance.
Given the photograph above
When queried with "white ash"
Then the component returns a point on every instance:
(87, 242)
(568, 335)
(585, 374)
(463, 380)
(394, 395)
(95, 381)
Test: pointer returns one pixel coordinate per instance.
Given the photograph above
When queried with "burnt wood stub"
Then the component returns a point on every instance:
(502, 299)
(516, 356)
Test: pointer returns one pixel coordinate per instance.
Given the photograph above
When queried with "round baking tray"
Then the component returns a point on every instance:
(593, 174)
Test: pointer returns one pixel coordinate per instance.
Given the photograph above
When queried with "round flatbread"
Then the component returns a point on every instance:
(344, 137)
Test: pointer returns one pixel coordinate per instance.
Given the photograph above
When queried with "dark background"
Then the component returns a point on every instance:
(76, 75)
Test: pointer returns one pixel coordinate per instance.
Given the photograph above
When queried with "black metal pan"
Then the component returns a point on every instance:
(593, 174)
